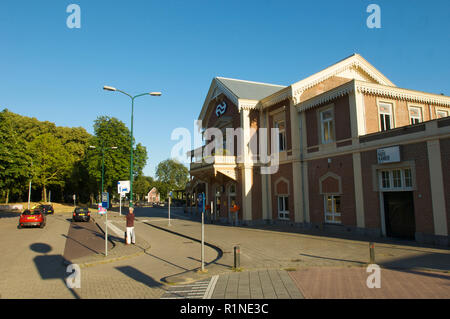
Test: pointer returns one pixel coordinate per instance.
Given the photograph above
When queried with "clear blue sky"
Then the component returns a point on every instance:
(54, 73)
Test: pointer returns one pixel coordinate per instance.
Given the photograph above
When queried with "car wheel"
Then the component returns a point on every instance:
(19, 226)
(42, 225)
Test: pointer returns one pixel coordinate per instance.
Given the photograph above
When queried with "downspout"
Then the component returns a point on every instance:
(301, 167)
(267, 175)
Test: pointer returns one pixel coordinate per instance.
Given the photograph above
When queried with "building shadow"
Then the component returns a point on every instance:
(51, 267)
(139, 276)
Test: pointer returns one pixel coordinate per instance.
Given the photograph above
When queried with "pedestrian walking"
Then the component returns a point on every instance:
(131, 237)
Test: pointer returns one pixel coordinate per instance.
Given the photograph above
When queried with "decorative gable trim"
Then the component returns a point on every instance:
(402, 94)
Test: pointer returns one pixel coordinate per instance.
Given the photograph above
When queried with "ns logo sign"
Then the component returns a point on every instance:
(221, 108)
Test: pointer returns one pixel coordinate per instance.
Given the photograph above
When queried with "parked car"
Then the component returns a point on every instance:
(32, 218)
(46, 209)
(82, 214)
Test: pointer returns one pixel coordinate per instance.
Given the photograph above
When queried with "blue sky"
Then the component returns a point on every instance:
(54, 73)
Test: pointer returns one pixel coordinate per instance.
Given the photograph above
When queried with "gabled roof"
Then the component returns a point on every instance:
(249, 90)
(237, 90)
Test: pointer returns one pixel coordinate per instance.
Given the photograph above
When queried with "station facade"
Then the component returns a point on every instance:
(354, 153)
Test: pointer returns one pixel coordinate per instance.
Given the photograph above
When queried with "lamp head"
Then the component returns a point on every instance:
(109, 88)
(155, 93)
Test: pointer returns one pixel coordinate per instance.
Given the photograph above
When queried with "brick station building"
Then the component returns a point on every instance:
(356, 154)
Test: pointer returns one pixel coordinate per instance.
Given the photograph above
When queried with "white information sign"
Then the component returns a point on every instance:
(123, 187)
(388, 154)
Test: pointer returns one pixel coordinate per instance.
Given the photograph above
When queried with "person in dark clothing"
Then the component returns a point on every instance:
(131, 237)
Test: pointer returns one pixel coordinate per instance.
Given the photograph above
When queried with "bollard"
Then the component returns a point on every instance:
(237, 257)
(372, 252)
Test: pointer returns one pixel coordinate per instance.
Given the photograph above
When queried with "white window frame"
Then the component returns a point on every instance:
(392, 186)
(391, 116)
(419, 118)
(282, 134)
(283, 214)
(442, 111)
(333, 212)
(326, 123)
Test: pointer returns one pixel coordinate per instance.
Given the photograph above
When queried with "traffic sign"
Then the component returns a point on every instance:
(105, 200)
(123, 187)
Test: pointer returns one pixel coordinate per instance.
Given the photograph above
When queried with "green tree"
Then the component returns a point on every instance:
(171, 175)
(14, 160)
(111, 132)
(51, 162)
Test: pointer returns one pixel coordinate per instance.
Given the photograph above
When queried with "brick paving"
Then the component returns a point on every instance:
(275, 264)
(350, 283)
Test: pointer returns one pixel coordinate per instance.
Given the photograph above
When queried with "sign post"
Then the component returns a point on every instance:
(105, 204)
(170, 198)
(203, 231)
(123, 187)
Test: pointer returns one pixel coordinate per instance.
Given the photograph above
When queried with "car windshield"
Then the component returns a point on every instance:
(81, 210)
(32, 212)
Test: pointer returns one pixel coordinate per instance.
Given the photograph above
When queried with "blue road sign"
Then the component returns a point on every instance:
(105, 200)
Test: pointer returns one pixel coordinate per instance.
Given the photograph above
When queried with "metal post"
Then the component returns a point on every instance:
(106, 234)
(50, 197)
(237, 257)
(372, 252)
(203, 233)
(212, 211)
(29, 195)
(131, 155)
(169, 210)
(120, 204)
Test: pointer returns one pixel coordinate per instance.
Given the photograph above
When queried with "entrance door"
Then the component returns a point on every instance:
(399, 213)
(231, 202)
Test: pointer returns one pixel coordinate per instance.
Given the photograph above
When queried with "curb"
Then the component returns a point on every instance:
(95, 260)
(193, 274)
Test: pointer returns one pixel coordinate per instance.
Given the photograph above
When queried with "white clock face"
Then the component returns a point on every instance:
(221, 108)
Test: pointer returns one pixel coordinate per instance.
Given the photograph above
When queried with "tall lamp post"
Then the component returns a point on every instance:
(109, 88)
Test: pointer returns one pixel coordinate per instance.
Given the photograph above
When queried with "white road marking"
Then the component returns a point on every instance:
(211, 286)
(116, 229)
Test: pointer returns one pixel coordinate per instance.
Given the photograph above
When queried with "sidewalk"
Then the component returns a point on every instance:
(119, 250)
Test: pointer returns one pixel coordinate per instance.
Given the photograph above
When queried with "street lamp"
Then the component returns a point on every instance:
(113, 89)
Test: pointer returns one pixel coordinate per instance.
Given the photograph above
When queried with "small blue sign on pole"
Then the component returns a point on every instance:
(105, 200)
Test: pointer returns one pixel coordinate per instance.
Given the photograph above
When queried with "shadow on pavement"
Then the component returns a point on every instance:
(139, 276)
(51, 266)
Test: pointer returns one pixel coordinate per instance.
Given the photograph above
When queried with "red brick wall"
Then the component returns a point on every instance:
(285, 171)
(341, 121)
(372, 217)
(445, 159)
(423, 206)
(423, 210)
(343, 167)
(256, 195)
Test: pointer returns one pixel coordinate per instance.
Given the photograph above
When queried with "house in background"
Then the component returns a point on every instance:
(153, 196)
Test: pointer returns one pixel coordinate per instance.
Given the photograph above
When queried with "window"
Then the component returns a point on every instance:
(396, 179)
(283, 207)
(281, 135)
(333, 209)
(385, 110)
(441, 113)
(327, 126)
(415, 114)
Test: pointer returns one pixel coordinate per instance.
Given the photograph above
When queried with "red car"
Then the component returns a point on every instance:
(30, 218)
